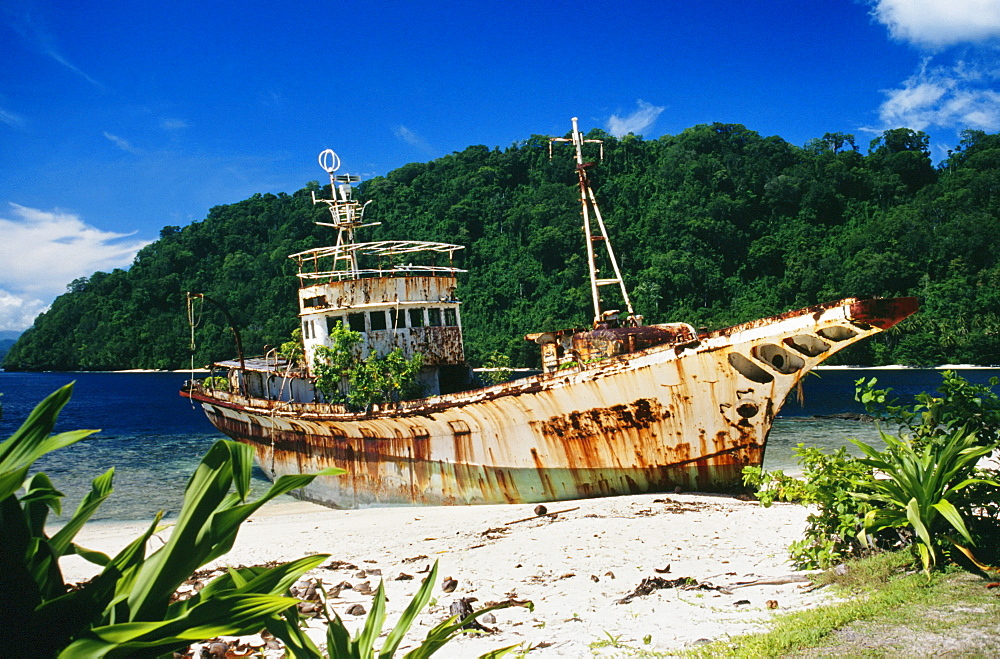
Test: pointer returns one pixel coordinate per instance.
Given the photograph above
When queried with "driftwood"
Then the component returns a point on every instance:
(772, 581)
(551, 515)
(650, 584)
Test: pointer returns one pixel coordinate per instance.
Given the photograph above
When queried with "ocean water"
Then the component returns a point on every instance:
(155, 439)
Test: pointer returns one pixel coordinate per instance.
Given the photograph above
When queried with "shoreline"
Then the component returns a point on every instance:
(575, 566)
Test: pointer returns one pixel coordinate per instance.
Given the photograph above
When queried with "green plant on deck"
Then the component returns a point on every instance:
(828, 480)
(922, 488)
(127, 609)
(292, 351)
(498, 369)
(216, 382)
(340, 643)
(372, 380)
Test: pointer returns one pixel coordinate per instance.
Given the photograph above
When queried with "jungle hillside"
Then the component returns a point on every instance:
(713, 226)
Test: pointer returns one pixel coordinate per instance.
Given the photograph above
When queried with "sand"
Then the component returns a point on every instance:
(575, 566)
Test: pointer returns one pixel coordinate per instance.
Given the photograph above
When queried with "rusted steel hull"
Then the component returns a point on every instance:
(690, 415)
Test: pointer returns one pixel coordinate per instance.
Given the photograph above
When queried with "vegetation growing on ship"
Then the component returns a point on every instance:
(292, 350)
(344, 377)
(497, 369)
(924, 491)
(712, 226)
(130, 608)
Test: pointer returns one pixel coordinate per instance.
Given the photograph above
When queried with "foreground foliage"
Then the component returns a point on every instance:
(714, 225)
(130, 608)
(924, 490)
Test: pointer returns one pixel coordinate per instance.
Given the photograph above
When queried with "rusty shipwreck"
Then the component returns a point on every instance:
(619, 408)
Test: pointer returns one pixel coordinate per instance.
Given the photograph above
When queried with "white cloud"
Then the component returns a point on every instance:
(17, 313)
(11, 119)
(43, 251)
(121, 143)
(173, 124)
(959, 96)
(636, 122)
(414, 140)
(938, 23)
(23, 21)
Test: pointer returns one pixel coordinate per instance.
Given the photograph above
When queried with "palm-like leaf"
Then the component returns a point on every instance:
(919, 487)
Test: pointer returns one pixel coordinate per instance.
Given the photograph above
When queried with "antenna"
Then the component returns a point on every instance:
(346, 213)
(589, 206)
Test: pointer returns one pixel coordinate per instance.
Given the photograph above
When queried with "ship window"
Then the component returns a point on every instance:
(450, 317)
(356, 321)
(416, 317)
(398, 319)
(336, 319)
(305, 329)
(376, 320)
(434, 317)
(318, 301)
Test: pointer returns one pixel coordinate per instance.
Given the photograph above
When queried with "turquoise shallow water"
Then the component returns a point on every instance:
(154, 438)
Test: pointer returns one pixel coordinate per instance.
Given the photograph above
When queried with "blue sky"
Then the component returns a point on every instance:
(118, 118)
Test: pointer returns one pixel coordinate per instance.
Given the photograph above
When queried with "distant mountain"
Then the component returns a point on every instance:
(6, 342)
(9, 334)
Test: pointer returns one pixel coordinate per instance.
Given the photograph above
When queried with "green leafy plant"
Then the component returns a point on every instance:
(128, 609)
(921, 488)
(959, 404)
(341, 644)
(293, 350)
(216, 382)
(498, 369)
(372, 380)
(827, 483)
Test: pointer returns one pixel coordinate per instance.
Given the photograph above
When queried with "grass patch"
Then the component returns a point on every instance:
(891, 610)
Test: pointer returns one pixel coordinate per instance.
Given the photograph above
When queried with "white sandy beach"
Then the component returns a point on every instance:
(574, 567)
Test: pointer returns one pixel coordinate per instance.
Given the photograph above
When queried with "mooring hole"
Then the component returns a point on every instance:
(808, 345)
(837, 333)
(748, 369)
(778, 358)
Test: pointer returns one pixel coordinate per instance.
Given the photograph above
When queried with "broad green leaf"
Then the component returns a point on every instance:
(950, 513)
(338, 640)
(373, 623)
(297, 642)
(416, 605)
(100, 490)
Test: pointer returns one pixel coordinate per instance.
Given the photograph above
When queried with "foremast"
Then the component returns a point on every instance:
(590, 209)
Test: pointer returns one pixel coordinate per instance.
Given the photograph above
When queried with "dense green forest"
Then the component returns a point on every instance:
(713, 226)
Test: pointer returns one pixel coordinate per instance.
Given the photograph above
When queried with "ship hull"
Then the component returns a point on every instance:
(689, 415)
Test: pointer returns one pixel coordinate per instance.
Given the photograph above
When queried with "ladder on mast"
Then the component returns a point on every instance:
(590, 207)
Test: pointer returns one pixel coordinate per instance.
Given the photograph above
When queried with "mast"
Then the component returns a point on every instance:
(346, 213)
(590, 208)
